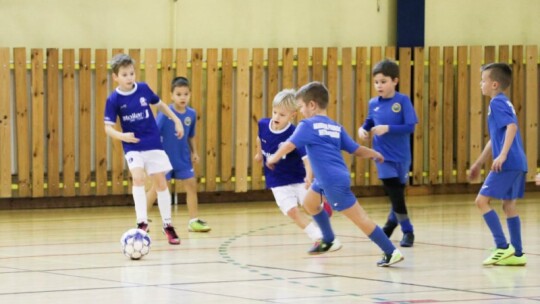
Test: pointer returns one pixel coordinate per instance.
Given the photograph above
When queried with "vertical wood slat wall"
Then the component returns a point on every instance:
(57, 99)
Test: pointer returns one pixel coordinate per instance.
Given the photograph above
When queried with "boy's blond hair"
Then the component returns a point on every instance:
(121, 60)
(286, 98)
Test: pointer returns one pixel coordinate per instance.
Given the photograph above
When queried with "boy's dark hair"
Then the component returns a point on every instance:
(179, 82)
(121, 60)
(499, 72)
(315, 91)
(386, 67)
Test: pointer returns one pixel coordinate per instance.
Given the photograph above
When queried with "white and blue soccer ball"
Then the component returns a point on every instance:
(135, 243)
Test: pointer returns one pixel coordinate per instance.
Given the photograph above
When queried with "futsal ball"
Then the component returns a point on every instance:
(135, 243)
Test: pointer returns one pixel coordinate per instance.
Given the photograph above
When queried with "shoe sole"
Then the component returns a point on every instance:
(199, 230)
(520, 264)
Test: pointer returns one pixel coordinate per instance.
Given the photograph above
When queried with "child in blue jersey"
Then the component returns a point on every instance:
(130, 102)
(182, 152)
(391, 119)
(506, 180)
(292, 175)
(323, 140)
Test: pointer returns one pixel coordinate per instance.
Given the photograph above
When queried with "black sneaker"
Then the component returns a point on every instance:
(389, 259)
(389, 227)
(143, 226)
(407, 240)
(322, 247)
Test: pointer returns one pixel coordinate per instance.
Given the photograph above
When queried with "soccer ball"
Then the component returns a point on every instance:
(135, 243)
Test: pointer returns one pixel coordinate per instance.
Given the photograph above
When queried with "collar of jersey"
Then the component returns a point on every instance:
(278, 131)
(127, 93)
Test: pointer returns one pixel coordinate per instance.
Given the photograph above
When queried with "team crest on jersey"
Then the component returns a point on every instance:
(143, 102)
(396, 107)
(187, 121)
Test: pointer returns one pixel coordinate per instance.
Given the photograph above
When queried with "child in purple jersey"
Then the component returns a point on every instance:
(506, 180)
(391, 119)
(324, 139)
(182, 152)
(292, 176)
(140, 139)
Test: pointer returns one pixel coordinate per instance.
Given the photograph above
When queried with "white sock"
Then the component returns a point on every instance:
(313, 232)
(164, 203)
(139, 197)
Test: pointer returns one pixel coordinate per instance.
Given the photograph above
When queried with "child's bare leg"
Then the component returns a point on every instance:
(298, 217)
(192, 200)
(359, 217)
(492, 220)
(151, 196)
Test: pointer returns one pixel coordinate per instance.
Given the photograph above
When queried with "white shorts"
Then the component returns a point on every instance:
(289, 196)
(152, 161)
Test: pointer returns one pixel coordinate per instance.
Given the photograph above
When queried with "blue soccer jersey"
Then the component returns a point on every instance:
(501, 113)
(324, 139)
(290, 169)
(133, 109)
(398, 113)
(178, 148)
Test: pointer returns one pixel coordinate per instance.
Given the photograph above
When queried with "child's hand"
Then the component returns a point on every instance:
(474, 172)
(498, 162)
(362, 134)
(129, 137)
(378, 157)
(179, 128)
(258, 158)
(271, 162)
(195, 158)
(537, 179)
(380, 130)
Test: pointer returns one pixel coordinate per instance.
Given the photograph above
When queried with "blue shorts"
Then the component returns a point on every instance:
(390, 169)
(180, 174)
(505, 185)
(340, 197)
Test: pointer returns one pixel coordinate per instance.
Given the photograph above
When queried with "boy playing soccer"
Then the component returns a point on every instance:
(290, 178)
(324, 139)
(130, 102)
(506, 180)
(182, 152)
(391, 119)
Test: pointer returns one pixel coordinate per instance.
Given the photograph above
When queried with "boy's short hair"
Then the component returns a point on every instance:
(286, 98)
(386, 67)
(179, 82)
(499, 72)
(315, 91)
(121, 60)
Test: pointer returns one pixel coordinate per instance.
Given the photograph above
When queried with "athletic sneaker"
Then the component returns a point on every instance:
(513, 261)
(171, 235)
(326, 206)
(407, 240)
(389, 227)
(198, 226)
(321, 247)
(143, 226)
(499, 254)
(389, 259)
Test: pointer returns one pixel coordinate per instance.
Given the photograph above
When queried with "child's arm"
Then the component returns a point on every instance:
(285, 149)
(511, 130)
(474, 171)
(177, 123)
(127, 137)
(382, 129)
(363, 131)
(365, 152)
(258, 155)
(309, 173)
(193, 148)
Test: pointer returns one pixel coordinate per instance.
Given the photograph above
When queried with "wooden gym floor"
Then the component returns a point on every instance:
(254, 254)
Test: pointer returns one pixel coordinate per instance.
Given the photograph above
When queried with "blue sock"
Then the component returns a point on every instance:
(406, 226)
(378, 237)
(323, 221)
(392, 217)
(492, 220)
(514, 227)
